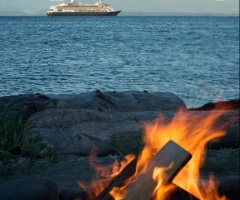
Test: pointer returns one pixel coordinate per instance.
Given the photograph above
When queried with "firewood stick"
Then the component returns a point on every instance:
(118, 181)
(143, 186)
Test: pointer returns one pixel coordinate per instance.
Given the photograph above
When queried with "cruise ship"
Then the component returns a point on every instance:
(73, 9)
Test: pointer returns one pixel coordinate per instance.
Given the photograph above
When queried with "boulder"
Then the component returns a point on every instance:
(231, 120)
(127, 101)
(78, 131)
(229, 186)
(73, 194)
(220, 105)
(78, 123)
(75, 124)
(230, 140)
(28, 104)
(25, 104)
(29, 188)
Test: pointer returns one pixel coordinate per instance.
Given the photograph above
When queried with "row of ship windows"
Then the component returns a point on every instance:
(86, 6)
(86, 10)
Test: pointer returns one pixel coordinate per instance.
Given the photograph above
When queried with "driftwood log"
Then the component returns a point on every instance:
(143, 188)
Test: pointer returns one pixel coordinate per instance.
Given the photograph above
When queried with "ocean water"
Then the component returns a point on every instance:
(197, 58)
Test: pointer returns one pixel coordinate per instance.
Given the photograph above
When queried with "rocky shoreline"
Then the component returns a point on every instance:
(76, 123)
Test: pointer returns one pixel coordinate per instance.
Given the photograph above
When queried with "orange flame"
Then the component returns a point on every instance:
(193, 131)
(103, 174)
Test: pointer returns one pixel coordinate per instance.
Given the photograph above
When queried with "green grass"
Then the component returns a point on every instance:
(16, 143)
(130, 144)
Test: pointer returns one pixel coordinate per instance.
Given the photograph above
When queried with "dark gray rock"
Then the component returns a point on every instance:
(73, 194)
(29, 104)
(227, 120)
(220, 105)
(81, 122)
(76, 123)
(77, 131)
(127, 101)
(230, 140)
(229, 186)
(25, 105)
(29, 188)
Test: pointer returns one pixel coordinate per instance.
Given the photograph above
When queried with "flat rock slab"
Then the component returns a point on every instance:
(229, 186)
(230, 117)
(74, 124)
(29, 188)
(39, 188)
(77, 131)
(77, 123)
(28, 104)
(71, 169)
(128, 101)
(25, 104)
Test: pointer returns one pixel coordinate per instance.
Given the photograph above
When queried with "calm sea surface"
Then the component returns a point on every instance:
(196, 58)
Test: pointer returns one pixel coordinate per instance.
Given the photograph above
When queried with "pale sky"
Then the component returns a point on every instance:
(189, 6)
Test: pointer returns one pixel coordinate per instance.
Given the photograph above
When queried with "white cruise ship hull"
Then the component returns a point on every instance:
(114, 13)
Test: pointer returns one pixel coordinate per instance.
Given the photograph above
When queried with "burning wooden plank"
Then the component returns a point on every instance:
(118, 181)
(171, 156)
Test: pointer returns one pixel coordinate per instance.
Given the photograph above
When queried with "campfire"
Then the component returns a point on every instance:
(173, 154)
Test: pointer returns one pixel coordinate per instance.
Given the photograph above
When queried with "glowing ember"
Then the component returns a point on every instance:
(192, 131)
